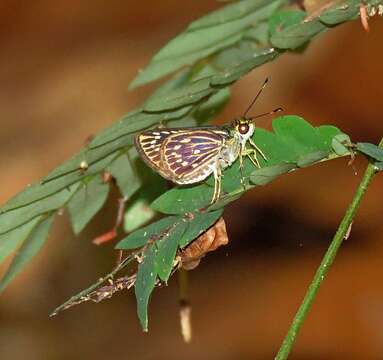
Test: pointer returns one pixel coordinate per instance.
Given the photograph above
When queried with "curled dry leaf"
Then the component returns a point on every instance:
(210, 240)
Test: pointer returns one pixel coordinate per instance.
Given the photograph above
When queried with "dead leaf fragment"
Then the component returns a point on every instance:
(210, 240)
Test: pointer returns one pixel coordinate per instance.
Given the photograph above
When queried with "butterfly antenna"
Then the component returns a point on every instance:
(256, 97)
(267, 113)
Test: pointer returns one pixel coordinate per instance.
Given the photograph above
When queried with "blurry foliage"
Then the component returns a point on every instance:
(210, 55)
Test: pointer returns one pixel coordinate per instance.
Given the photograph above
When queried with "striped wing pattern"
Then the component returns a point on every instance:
(148, 145)
(184, 156)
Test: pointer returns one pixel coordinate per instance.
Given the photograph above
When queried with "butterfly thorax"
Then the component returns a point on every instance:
(239, 132)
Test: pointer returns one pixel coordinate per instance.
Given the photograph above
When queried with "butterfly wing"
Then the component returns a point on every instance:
(184, 156)
(148, 145)
(191, 157)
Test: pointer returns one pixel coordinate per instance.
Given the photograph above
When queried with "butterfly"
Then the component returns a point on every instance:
(190, 155)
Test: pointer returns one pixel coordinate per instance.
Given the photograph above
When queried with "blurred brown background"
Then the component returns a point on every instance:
(64, 71)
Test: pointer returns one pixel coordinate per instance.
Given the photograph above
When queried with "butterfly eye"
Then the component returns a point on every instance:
(243, 129)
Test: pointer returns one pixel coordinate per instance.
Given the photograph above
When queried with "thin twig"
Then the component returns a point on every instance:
(83, 294)
(184, 303)
(324, 267)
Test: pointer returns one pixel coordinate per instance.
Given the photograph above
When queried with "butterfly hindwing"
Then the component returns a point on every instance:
(191, 157)
(184, 155)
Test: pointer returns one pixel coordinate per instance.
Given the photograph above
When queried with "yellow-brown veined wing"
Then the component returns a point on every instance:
(190, 157)
(148, 145)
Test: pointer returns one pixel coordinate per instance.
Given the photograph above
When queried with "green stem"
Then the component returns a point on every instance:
(324, 267)
(183, 286)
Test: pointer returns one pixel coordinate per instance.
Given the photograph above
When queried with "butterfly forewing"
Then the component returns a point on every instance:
(183, 155)
(149, 144)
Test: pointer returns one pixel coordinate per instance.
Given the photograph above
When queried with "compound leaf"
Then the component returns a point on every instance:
(86, 202)
(28, 249)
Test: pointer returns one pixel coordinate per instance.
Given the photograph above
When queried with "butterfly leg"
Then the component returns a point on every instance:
(252, 155)
(257, 149)
(217, 184)
(241, 153)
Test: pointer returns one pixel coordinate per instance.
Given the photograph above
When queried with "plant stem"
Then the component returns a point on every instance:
(185, 308)
(340, 235)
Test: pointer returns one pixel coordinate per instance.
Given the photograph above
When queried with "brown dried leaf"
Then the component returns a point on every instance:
(210, 240)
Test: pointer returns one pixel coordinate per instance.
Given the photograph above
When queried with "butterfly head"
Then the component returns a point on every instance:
(243, 128)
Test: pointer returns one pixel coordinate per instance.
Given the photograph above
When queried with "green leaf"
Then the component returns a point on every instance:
(206, 36)
(232, 74)
(186, 95)
(277, 149)
(298, 133)
(28, 249)
(138, 211)
(12, 219)
(371, 150)
(285, 18)
(159, 68)
(178, 80)
(145, 283)
(126, 176)
(346, 10)
(327, 133)
(296, 35)
(229, 13)
(341, 144)
(259, 34)
(122, 132)
(11, 240)
(211, 108)
(86, 202)
(182, 200)
(137, 214)
(167, 247)
(244, 51)
(265, 175)
(125, 128)
(199, 224)
(225, 200)
(309, 159)
(140, 237)
(41, 192)
(379, 166)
